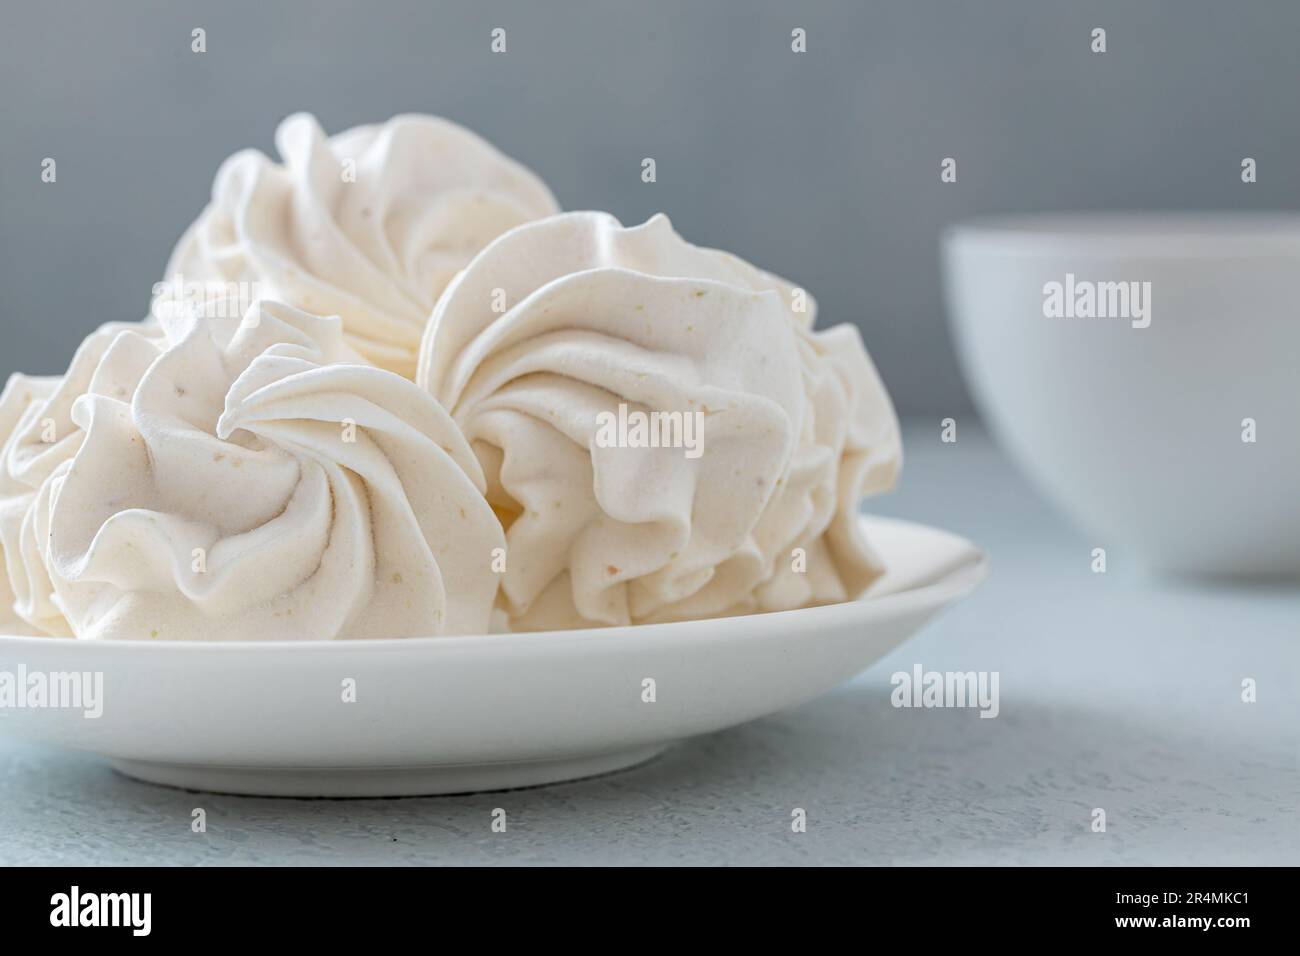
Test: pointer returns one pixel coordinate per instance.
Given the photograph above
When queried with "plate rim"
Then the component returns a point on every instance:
(953, 584)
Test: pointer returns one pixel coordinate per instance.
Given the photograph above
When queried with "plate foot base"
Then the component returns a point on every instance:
(383, 781)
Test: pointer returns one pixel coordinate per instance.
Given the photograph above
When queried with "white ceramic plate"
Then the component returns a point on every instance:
(458, 714)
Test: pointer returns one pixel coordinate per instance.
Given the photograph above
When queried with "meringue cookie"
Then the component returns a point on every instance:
(20, 405)
(369, 225)
(39, 437)
(560, 325)
(257, 480)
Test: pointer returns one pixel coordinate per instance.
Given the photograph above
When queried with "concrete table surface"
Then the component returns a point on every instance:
(1116, 692)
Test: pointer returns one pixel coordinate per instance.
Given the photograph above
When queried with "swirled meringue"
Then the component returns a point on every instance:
(20, 405)
(557, 324)
(40, 437)
(369, 225)
(258, 480)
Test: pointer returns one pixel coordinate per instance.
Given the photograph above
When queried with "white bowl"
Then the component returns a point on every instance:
(458, 714)
(1137, 432)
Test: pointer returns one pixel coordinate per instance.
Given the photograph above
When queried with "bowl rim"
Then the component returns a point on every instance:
(1223, 233)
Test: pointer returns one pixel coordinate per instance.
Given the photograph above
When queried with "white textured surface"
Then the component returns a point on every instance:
(1116, 692)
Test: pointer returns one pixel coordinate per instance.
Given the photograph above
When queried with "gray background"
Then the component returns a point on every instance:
(822, 167)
